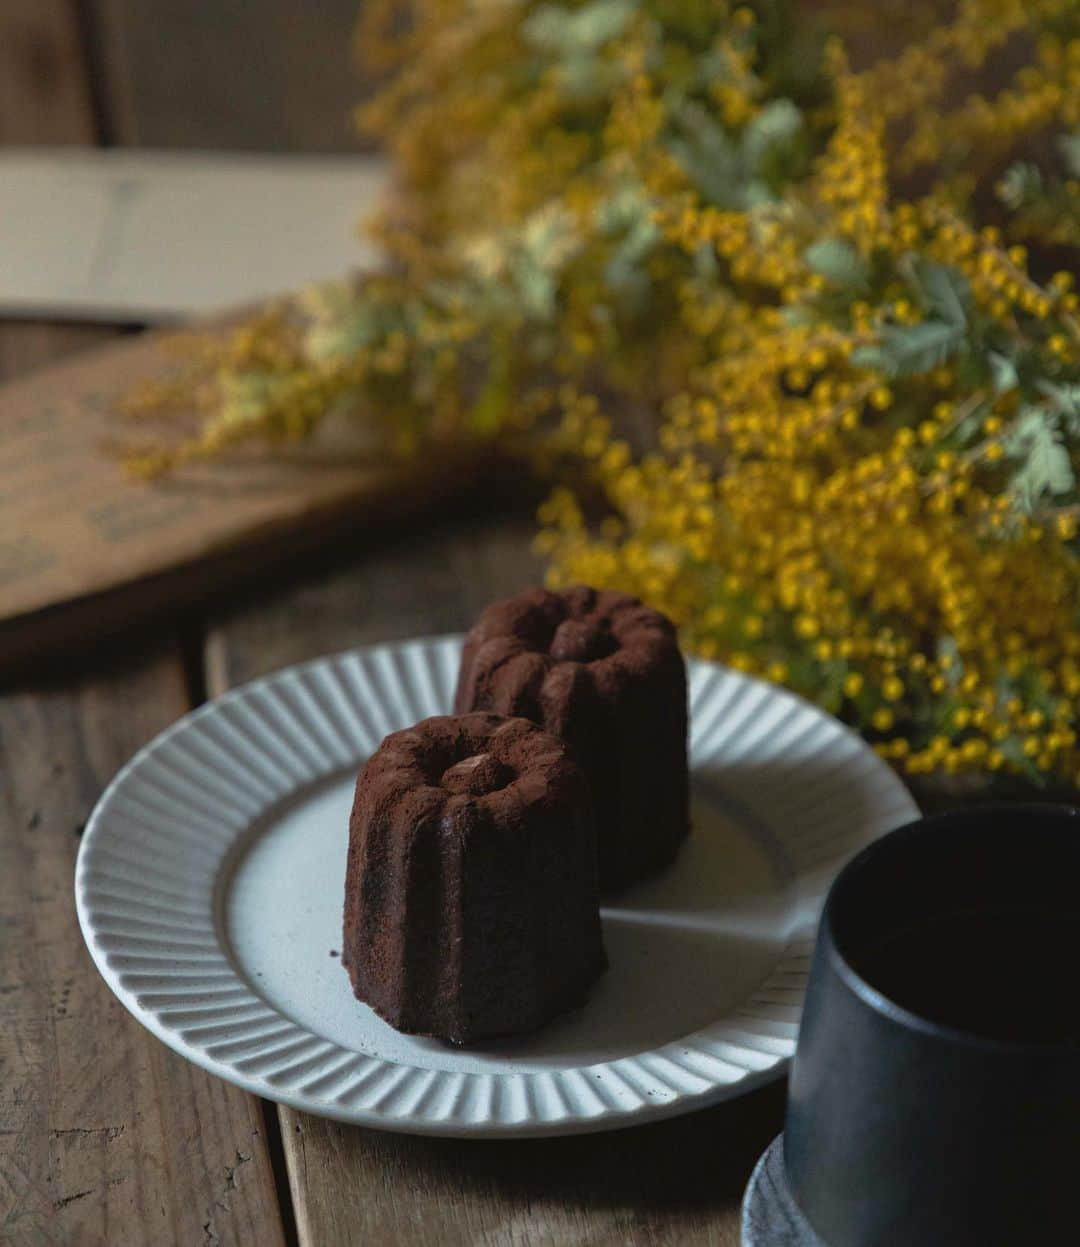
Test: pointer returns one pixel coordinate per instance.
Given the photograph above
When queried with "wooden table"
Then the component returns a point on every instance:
(106, 1136)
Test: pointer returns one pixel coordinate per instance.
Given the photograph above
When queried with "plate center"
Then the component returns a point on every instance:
(684, 949)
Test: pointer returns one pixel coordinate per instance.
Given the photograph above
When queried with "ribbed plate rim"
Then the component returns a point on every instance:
(568, 1084)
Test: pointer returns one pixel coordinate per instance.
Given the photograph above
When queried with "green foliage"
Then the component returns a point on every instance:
(738, 171)
(908, 350)
(904, 350)
(628, 217)
(1003, 372)
(1021, 184)
(944, 293)
(1069, 147)
(839, 262)
(1045, 468)
(566, 32)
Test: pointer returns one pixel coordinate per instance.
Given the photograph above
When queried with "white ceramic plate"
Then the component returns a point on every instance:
(210, 886)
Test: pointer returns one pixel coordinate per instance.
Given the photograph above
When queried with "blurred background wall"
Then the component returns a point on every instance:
(223, 74)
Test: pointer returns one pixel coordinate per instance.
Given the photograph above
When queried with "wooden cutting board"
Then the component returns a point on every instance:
(85, 550)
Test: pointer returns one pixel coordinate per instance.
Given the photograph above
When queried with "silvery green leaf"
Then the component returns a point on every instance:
(1047, 469)
(713, 66)
(548, 28)
(561, 30)
(838, 262)
(546, 242)
(906, 350)
(339, 338)
(625, 270)
(802, 314)
(831, 689)
(944, 291)
(537, 290)
(581, 77)
(1069, 146)
(1024, 429)
(1063, 396)
(549, 236)
(774, 128)
(1021, 183)
(627, 207)
(486, 256)
(707, 155)
(628, 213)
(716, 180)
(1053, 464)
(873, 358)
(1013, 749)
(1066, 402)
(756, 193)
(1003, 371)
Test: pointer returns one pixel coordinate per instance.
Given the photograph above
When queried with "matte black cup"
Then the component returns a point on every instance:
(935, 1094)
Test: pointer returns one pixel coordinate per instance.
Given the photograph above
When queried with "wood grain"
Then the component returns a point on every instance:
(86, 551)
(433, 578)
(29, 345)
(272, 76)
(677, 1182)
(106, 1137)
(44, 92)
(673, 1183)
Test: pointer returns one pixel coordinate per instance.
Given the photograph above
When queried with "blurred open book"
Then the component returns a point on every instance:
(157, 236)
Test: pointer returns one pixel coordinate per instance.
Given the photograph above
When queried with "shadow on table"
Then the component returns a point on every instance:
(697, 1163)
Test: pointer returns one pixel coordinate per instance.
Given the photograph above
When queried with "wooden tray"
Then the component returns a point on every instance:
(86, 550)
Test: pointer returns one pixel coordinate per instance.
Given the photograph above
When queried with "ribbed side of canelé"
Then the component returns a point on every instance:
(643, 789)
(625, 723)
(471, 915)
(531, 927)
(390, 850)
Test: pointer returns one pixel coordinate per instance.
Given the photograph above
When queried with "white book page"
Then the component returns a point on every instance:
(160, 236)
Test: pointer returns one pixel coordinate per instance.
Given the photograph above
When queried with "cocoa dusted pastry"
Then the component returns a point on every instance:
(471, 891)
(603, 673)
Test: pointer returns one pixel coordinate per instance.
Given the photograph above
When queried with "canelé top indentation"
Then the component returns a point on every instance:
(478, 775)
(450, 762)
(578, 625)
(579, 640)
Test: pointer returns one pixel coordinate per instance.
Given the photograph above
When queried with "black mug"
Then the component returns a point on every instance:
(935, 1093)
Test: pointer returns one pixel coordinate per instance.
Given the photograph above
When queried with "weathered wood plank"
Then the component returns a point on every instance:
(44, 94)
(106, 1136)
(673, 1183)
(272, 76)
(431, 579)
(26, 345)
(677, 1182)
(99, 552)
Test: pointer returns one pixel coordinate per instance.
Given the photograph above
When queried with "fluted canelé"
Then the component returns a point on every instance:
(471, 905)
(604, 673)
